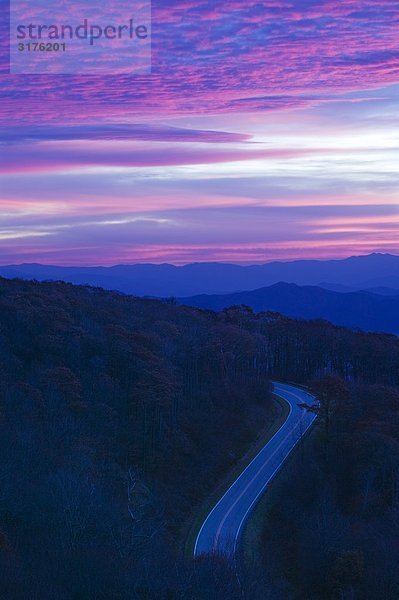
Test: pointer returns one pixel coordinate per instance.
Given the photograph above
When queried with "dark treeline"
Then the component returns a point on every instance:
(118, 416)
(332, 527)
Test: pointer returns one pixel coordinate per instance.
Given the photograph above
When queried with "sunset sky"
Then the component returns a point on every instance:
(267, 130)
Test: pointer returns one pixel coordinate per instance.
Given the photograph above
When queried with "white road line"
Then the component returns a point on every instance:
(266, 463)
(263, 489)
(235, 482)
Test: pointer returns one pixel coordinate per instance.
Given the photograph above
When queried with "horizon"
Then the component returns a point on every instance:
(212, 157)
(155, 264)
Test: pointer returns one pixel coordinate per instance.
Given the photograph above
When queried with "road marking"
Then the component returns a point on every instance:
(263, 488)
(235, 482)
(267, 462)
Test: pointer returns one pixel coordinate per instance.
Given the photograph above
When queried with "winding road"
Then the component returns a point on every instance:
(220, 532)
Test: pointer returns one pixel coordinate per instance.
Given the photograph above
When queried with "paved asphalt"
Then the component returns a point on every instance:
(221, 529)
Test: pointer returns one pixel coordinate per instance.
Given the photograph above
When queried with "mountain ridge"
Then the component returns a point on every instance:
(360, 309)
(148, 279)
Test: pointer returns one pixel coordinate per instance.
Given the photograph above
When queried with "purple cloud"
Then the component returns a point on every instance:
(119, 131)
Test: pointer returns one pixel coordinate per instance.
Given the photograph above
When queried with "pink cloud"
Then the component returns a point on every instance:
(58, 156)
(242, 59)
(209, 57)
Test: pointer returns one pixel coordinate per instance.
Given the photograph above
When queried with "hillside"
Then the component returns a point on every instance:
(338, 501)
(363, 310)
(119, 416)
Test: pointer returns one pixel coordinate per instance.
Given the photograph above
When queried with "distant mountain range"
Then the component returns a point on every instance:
(344, 289)
(363, 310)
(378, 272)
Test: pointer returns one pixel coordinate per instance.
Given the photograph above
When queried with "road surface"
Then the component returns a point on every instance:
(221, 529)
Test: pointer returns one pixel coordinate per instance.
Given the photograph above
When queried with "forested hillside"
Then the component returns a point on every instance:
(331, 530)
(118, 416)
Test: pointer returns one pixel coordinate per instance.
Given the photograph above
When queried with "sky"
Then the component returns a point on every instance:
(266, 130)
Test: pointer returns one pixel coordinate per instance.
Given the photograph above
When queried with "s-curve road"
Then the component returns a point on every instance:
(221, 529)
